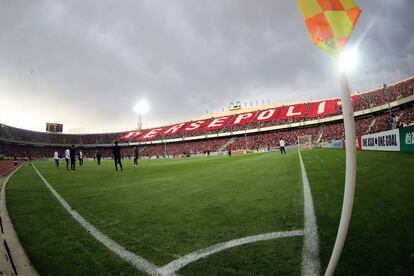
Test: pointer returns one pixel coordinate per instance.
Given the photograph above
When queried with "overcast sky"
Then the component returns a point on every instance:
(86, 63)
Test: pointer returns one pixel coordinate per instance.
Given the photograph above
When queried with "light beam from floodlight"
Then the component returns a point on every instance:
(348, 59)
(141, 108)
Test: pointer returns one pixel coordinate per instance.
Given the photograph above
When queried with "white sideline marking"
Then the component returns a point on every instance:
(170, 268)
(310, 253)
(130, 257)
(173, 266)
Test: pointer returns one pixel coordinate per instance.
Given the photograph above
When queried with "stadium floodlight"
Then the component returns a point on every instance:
(141, 108)
(348, 59)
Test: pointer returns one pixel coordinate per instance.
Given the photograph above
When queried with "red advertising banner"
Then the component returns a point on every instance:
(195, 126)
(316, 109)
(170, 130)
(323, 108)
(266, 115)
(242, 119)
(293, 111)
(217, 123)
(131, 135)
(150, 134)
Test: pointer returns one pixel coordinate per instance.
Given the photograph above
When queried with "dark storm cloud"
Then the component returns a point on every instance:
(77, 61)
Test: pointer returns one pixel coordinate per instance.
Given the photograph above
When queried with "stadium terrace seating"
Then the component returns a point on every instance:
(17, 134)
(320, 133)
(21, 142)
(280, 115)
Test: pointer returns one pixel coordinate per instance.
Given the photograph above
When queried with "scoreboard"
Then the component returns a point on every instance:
(53, 127)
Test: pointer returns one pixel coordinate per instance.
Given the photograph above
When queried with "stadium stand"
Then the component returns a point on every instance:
(244, 129)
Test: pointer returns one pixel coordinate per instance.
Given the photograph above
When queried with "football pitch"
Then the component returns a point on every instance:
(239, 215)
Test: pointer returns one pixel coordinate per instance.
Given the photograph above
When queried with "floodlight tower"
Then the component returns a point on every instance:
(141, 108)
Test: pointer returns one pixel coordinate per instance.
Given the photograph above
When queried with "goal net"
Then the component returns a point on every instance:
(304, 142)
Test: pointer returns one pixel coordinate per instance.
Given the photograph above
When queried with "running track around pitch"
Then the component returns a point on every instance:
(7, 167)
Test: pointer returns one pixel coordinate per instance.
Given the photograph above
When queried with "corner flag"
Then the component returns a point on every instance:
(330, 22)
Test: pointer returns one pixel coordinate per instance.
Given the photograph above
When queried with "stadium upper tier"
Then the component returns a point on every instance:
(249, 120)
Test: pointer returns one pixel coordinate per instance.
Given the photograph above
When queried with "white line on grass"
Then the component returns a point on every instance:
(170, 268)
(310, 254)
(135, 260)
(173, 266)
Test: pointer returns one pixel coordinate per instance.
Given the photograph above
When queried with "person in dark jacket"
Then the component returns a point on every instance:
(98, 157)
(136, 156)
(116, 151)
(72, 152)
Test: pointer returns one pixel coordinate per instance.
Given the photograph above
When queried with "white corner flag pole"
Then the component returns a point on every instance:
(350, 145)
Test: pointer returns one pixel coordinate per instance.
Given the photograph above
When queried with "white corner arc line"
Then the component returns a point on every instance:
(310, 252)
(175, 265)
(128, 256)
(170, 268)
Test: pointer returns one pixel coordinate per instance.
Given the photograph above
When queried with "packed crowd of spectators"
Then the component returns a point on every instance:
(18, 134)
(319, 133)
(365, 100)
(385, 95)
(364, 125)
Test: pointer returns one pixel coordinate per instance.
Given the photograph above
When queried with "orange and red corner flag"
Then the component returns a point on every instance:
(330, 22)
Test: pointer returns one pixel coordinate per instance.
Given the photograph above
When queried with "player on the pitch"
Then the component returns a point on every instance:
(56, 158)
(72, 152)
(282, 146)
(67, 158)
(80, 157)
(116, 151)
(136, 156)
(98, 157)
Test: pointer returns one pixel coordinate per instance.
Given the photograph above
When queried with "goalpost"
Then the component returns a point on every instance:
(304, 142)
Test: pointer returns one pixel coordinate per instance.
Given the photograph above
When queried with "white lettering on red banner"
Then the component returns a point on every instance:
(293, 111)
(131, 135)
(266, 115)
(324, 108)
(174, 129)
(152, 134)
(194, 126)
(316, 109)
(217, 123)
(242, 119)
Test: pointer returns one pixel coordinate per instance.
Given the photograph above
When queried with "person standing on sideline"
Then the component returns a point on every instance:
(72, 152)
(67, 158)
(98, 157)
(80, 157)
(116, 151)
(29, 158)
(282, 146)
(136, 156)
(56, 158)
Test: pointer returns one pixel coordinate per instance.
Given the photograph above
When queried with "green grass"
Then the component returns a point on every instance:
(168, 208)
(381, 236)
